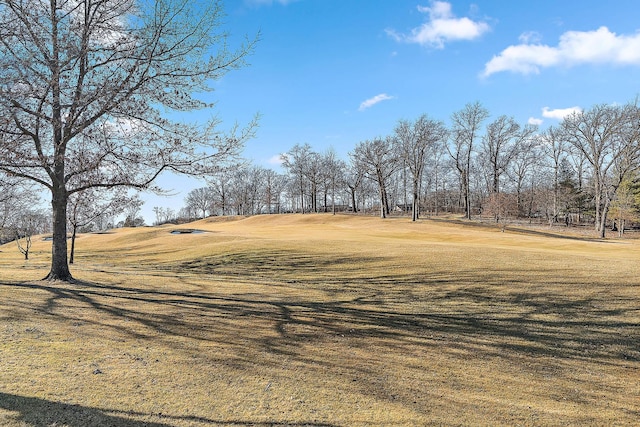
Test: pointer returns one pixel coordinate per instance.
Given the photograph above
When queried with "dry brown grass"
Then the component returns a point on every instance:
(323, 321)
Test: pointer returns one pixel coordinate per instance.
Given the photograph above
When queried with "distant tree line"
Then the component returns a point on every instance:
(585, 170)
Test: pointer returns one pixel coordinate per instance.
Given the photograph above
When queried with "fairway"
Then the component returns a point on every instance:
(321, 320)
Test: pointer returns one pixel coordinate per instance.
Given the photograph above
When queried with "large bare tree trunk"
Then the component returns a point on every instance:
(59, 265)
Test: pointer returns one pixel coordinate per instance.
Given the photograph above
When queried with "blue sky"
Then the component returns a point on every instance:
(332, 73)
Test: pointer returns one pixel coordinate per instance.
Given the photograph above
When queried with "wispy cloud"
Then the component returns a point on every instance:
(556, 114)
(276, 160)
(441, 27)
(373, 101)
(574, 48)
(559, 113)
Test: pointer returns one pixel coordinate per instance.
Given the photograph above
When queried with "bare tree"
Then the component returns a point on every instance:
(553, 145)
(332, 176)
(504, 139)
(414, 141)
(465, 130)
(625, 168)
(23, 233)
(378, 159)
(605, 135)
(84, 91)
(314, 174)
(247, 190)
(624, 208)
(523, 166)
(220, 184)
(501, 206)
(88, 206)
(132, 211)
(26, 225)
(438, 172)
(157, 210)
(255, 189)
(200, 199)
(353, 180)
(274, 187)
(12, 201)
(20, 213)
(296, 162)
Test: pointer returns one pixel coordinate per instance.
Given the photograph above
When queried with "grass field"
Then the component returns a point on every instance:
(320, 320)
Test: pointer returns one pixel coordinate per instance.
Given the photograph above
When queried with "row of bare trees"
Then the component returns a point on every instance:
(582, 169)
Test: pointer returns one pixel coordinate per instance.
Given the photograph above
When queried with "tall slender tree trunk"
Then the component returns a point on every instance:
(467, 195)
(603, 217)
(314, 198)
(302, 196)
(333, 196)
(467, 184)
(416, 202)
(353, 199)
(223, 201)
(73, 243)
(556, 190)
(598, 206)
(435, 196)
(326, 201)
(385, 196)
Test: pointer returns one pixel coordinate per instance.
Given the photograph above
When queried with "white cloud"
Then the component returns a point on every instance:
(373, 101)
(124, 127)
(559, 113)
(535, 121)
(530, 37)
(442, 26)
(276, 160)
(574, 48)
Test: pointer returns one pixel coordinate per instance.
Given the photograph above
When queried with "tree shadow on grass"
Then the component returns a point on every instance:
(525, 320)
(38, 412)
(467, 313)
(517, 229)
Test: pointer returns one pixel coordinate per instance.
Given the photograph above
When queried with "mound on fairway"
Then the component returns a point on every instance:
(321, 320)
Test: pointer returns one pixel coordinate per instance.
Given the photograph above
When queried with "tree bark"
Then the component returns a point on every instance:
(382, 203)
(353, 199)
(467, 195)
(416, 203)
(603, 218)
(59, 265)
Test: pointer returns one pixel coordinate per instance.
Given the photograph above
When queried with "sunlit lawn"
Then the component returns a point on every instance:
(323, 320)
